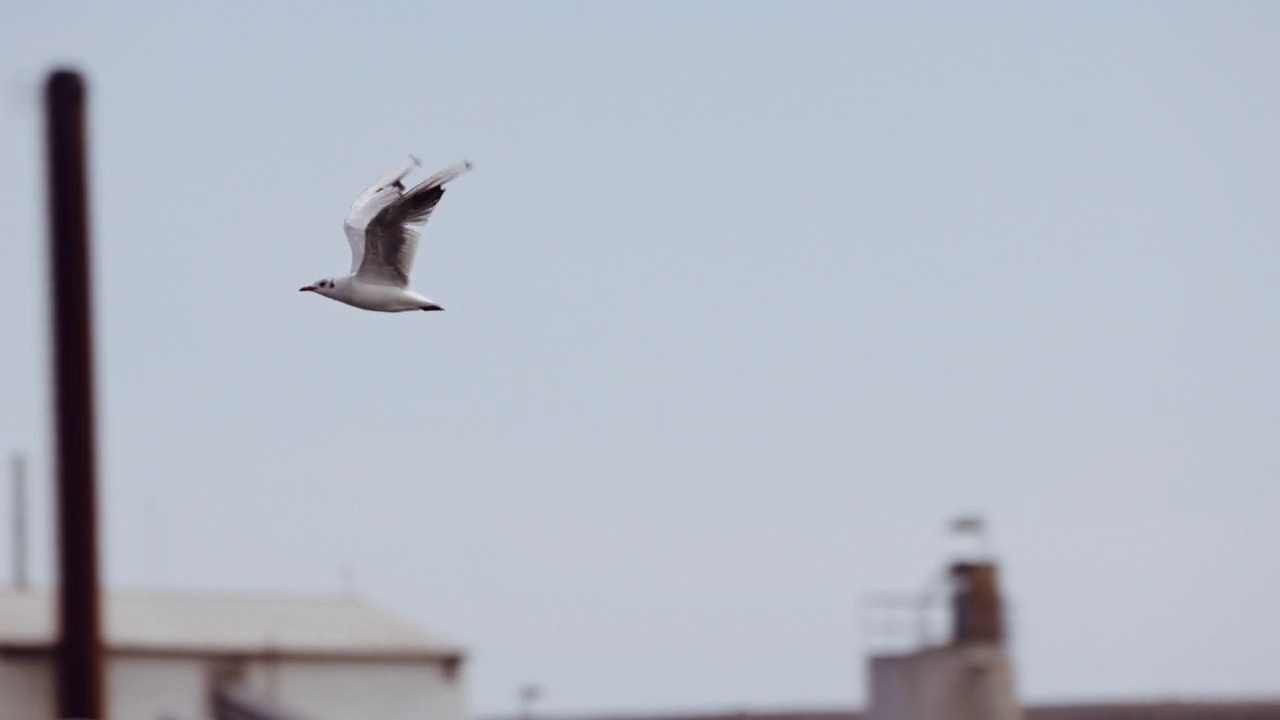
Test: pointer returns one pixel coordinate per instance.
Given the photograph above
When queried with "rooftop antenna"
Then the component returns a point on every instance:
(529, 694)
(19, 522)
(348, 578)
(973, 526)
(157, 545)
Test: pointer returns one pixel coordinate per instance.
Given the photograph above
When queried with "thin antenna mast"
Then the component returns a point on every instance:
(20, 578)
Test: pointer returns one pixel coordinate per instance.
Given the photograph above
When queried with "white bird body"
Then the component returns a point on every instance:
(381, 229)
(376, 297)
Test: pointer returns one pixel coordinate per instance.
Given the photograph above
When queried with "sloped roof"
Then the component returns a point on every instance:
(231, 624)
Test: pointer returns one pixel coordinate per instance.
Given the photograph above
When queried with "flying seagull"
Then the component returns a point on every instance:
(382, 228)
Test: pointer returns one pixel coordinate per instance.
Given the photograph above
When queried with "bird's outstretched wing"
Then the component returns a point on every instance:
(383, 190)
(390, 237)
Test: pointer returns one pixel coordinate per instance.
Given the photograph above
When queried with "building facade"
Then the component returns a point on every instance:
(200, 657)
(969, 677)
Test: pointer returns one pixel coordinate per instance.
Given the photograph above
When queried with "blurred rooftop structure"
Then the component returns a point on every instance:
(1242, 710)
(174, 656)
(968, 675)
(175, 623)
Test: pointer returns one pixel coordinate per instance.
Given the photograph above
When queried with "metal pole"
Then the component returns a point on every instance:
(79, 685)
(19, 522)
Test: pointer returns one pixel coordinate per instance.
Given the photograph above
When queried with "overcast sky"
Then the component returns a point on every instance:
(744, 302)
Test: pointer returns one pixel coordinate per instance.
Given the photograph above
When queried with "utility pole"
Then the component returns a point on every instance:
(80, 691)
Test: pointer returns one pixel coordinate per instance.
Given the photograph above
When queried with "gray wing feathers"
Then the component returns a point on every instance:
(376, 196)
(446, 174)
(391, 237)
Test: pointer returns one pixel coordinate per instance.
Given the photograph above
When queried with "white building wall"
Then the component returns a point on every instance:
(143, 688)
(26, 687)
(137, 688)
(969, 682)
(362, 690)
(177, 688)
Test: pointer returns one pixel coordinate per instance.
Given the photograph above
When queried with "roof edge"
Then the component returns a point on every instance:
(126, 650)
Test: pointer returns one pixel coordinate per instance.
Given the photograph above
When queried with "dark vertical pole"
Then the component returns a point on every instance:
(19, 523)
(80, 691)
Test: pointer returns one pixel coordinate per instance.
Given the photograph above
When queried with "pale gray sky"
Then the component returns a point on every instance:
(744, 301)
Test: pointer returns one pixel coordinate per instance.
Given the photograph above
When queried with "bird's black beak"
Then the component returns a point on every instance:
(309, 288)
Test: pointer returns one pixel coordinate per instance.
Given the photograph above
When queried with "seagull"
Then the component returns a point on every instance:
(382, 228)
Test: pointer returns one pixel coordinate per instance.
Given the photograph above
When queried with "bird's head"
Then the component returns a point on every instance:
(321, 287)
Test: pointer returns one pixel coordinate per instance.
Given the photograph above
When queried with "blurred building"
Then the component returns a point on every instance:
(213, 657)
(969, 677)
(952, 663)
(1239, 710)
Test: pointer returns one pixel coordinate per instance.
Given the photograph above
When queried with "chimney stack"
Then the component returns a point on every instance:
(977, 615)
